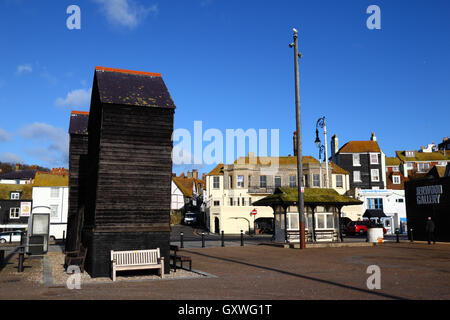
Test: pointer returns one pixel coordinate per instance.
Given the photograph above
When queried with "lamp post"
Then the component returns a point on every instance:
(321, 123)
(300, 188)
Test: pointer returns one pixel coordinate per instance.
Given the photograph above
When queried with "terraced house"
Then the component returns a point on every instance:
(232, 190)
(418, 163)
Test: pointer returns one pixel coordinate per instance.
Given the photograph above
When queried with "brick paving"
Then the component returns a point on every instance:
(408, 271)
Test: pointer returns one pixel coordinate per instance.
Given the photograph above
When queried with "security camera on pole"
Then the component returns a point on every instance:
(300, 188)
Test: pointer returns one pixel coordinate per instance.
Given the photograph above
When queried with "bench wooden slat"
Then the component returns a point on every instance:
(137, 259)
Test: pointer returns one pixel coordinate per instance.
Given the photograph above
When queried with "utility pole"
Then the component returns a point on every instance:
(300, 188)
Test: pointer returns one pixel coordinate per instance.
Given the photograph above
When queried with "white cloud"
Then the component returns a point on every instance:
(24, 68)
(126, 13)
(75, 98)
(10, 157)
(4, 136)
(54, 143)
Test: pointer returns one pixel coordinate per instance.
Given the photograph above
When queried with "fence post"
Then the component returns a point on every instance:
(242, 238)
(411, 235)
(181, 240)
(203, 239)
(223, 239)
(397, 235)
(21, 258)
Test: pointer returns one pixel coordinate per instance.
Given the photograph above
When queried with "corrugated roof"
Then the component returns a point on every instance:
(135, 88)
(360, 146)
(44, 179)
(6, 189)
(79, 122)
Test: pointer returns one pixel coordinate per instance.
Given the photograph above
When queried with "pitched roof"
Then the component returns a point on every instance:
(135, 88)
(360, 146)
(337, 170)
(79, 122)
(19, 175)
(267, 161)
(217, 171)
(392, 161)
(424, 156)
(6, 189)
(47, 179)
(186, 185)
(312, 196)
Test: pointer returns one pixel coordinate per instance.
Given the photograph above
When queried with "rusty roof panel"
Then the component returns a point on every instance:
(78, 122)
(132, 88)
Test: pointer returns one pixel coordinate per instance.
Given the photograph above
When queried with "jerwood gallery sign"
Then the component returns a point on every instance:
(429, 194)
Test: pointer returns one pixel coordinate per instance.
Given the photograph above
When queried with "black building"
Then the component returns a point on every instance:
(428, 197)
(129, 166)
(363, 160)
(78, 150)
(15, 206)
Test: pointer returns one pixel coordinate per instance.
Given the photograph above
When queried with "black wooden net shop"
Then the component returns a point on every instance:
(428, 197)
(126, 204)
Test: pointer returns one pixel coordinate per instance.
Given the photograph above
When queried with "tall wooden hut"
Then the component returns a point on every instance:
(127, 204)
(78, 149)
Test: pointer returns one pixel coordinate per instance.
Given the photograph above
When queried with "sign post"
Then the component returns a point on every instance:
(254, 213)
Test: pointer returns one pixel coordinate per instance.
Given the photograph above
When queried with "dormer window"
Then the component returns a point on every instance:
(409, 154)
(15, 196)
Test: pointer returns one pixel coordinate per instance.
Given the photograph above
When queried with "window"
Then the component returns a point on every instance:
(216, 203)
(356, 160)
(396, 179)
(374, 158)
(409, 165)
(277, 182)
(230, 180)
(292, 220)
(216, 182)
(306, 181)
(442, 163)
(238, 202)
(243, 202)
(15, 196)
(14, 213)
(409, 154)
(324, 221)
(399, 200)
(375, 203)
(339, 181)
(292, 181)
(395, 169)
(54, 211)
(250, 201)
(263, 181)
(54, 193)
(231, 202)
(356, 176)
(316, 180)
(375, 175)
(240, 181)
(423, 167)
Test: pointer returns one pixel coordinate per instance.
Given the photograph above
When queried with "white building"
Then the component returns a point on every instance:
(51, 190)
(177, 199)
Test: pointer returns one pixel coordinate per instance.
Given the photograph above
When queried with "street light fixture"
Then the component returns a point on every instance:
(321, 123)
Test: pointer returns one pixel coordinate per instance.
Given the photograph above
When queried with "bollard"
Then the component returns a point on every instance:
(397, 235)
(64, 235)
(411, 235)
(181, 240)
(10, 237)
(242, 238)
(223, 239)
(21, 258)
(203, 239)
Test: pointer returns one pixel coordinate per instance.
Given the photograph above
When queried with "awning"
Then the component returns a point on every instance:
(374, 213)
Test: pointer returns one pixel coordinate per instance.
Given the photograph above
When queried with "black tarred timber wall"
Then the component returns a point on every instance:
(77, 174)
(417, 214)
(127, 205)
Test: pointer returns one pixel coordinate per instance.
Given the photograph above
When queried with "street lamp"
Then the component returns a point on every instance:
(321, 123)
(300, 188)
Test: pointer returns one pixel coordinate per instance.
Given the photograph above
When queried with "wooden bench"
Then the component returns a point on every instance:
(182, 259)
(136, 260)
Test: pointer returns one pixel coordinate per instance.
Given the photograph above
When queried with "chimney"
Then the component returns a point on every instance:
(189, 174)
(17, 167)
(295, 143)
(334, 147)
(195, 173)
(373, 137)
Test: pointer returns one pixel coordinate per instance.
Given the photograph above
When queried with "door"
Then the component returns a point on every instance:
(216, 225)
(280, 227)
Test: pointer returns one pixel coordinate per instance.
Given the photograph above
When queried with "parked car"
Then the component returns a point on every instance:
(360, 227)
(190, 218)
(5, 236)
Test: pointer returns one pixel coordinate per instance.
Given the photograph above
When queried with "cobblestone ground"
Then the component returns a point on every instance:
(408, 271)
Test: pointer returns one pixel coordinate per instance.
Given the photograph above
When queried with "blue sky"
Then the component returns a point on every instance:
(228, 64)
